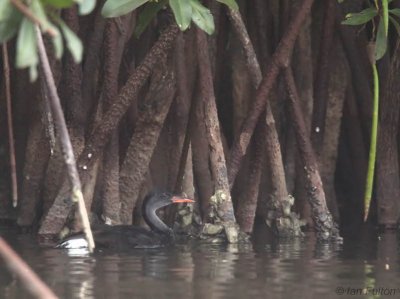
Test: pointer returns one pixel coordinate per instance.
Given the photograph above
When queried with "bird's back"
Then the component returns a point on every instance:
(118, 237)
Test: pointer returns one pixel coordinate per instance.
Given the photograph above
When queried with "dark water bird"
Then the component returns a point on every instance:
(129, 236)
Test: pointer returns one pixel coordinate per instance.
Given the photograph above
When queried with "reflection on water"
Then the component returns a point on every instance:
(365, 266)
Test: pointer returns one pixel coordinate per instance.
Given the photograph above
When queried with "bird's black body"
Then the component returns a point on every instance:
(129, 236)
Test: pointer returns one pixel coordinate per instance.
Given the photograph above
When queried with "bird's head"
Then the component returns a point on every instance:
(158, 200)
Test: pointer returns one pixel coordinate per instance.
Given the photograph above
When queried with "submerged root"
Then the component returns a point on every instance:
(219, 226)
(184, 219)
(282, 220)
(327, 229)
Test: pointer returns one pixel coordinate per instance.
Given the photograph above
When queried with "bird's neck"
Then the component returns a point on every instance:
(153, 220)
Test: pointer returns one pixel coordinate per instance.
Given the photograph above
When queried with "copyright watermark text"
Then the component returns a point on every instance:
(351, 291)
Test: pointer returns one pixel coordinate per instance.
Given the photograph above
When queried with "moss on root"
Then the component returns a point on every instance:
(220, 225)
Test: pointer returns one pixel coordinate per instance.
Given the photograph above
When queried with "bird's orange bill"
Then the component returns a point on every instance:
(176, 199)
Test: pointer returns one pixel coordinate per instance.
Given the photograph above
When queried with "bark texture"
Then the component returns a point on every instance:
(201, 157)
(279, 206)
(221, 210)
(114, 45)
(325, 225)
(221, 202)
(322, 77)
(37, 156)
(55, 220)
(280, 58)
(337, 87)
(144, 140)
(388, 180)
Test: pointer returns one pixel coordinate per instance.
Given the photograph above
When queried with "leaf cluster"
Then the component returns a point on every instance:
(380, 15)
(20, 23)
(185, 11)
(45, 15)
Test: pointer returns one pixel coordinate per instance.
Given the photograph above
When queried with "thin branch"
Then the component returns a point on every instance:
(25, 11)
(6, 67)
(29, 279)
(65, 141)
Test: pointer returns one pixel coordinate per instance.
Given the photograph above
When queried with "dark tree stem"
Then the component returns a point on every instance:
(388, 182)
(71, 90)
(262, 18)
(114, 46)
(37, 155)
(56, 217)
(322, 78)
(101, 133)
(144, 140)
(92, 63)
(246, 208)
(201, 153)
(353, 132)
(325, 226)
(280, 59)
(280, 201)
(181, 117)
(180, 136)
(221, 201)
(251, 58)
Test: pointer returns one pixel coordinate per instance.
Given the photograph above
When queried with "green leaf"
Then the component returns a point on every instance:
(395, 11)
(182, 11)
(38, 10)
(5, 9)
(116, 8)
(10, 21)
(395, 24)
(381, 41)
(26, 45)
(58, 43)
(230, 3)
(74, 44)
(33, 73)
(202, 17)
(147, 15)
(385, 15)
(59, 3)
(86, 7)
(361, 17)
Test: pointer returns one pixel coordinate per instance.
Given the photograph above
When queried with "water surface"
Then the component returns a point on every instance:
(366, 265)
